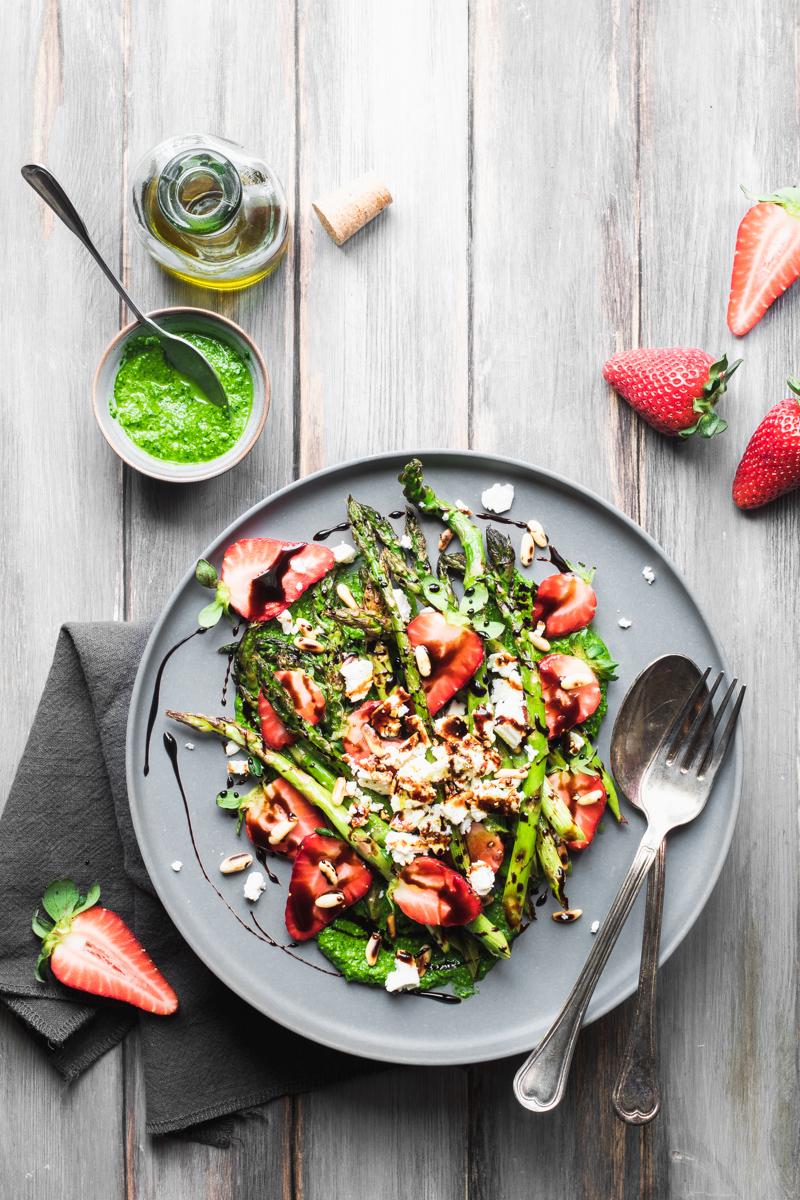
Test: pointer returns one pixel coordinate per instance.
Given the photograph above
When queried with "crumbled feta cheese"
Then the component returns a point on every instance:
(510, 713)
(594, 927)
(481, 878)
(231, 748)
(357, 676)
(404, 975)
(502, 663)
(402, 845)
(649, 574)
(576, 742)
(254, 885)
(288, 626)
(403, 606)
(405, 542)
(418, 770)
(176, 866)
(463, 508)
(239, 766)
(189, 745)
(377, 781)
(624, 622)
(498, 498)
(343, 553)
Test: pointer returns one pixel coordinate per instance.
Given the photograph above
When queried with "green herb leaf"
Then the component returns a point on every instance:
(210, 615)
(227, 799)
(205, 574)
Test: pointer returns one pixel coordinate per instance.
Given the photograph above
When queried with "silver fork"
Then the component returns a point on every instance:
(674, 791)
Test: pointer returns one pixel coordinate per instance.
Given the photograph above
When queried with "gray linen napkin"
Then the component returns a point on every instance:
(67, 815)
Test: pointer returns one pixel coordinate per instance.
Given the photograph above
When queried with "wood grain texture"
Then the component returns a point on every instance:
(730, 996)
(55, 481)
(566, 184)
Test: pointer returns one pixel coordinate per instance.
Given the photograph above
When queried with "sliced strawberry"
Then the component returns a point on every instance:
(264, 576)
(307, 699)
(93, 950)
(571, 692)
(484, 845)
(273, 730)
(565, 603)
(455, 652)
(356, 743)
(573, 789)
(278, 805)
(431, 893)
(766, 260)
(312, 879)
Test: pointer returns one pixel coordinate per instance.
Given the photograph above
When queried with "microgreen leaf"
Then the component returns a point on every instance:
(205, 574)
(210, 615)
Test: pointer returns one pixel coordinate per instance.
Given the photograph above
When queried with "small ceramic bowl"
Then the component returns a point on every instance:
(182, 320)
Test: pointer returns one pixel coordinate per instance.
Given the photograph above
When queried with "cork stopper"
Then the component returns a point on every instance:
(352, 206)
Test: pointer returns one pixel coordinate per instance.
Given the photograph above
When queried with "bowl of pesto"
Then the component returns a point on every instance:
(158, 422)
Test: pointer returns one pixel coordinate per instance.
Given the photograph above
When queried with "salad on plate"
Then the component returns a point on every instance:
(417, 738)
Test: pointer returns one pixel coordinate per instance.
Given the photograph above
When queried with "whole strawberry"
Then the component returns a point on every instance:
(770, 465)
(674, 389)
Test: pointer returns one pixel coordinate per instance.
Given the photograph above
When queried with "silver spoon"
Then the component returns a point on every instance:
(649, 707)
(183, 356)
(673, 792)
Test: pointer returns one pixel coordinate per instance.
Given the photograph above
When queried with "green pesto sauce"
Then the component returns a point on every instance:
(343, 943)
(166, 415)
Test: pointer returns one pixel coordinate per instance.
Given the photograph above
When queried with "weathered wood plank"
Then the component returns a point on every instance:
(383, 327)
(554, 285)
(227, 70)
(382, 365)
(60, 496)
(729, 1040)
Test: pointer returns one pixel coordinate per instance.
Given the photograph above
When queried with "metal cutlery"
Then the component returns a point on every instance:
(674, 791)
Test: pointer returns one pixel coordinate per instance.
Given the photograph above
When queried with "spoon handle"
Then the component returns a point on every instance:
(636, 1096)
(47, 186)
(541, 1081)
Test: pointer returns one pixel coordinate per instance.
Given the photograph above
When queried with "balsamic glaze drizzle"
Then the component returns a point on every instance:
(151, 716)
(322, 534)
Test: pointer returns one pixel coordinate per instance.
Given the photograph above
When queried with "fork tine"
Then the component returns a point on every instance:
(673, 735)
(711, 768)
(693, 734)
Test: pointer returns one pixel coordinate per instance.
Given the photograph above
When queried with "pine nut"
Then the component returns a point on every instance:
(346, 596)
(328, 870)
(282, 830)
(538, 639)
(391, 925)
(423, 661)
(445, 538)
(330, 900)
(566, 915)
(235, 863)
(527, 549)
(538, 534)
(339, 789)
(310, 644)
(373, 949)
(590, 797)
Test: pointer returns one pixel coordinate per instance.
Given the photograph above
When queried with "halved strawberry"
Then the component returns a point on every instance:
(325, 869)
(573, 789)
(307, 699)
(430, 892)
(571, 692)
(484, 845)
(278, 805)
(356, 744)
(264, 576)
(565, 603)
(93, 950)
(766, 260)
(455, 652)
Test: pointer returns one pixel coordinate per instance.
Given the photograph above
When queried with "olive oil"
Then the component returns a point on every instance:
(209, 213)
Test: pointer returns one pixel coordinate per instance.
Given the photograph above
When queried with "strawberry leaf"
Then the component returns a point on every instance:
(41, 927)
(60, 899)
(89, 900)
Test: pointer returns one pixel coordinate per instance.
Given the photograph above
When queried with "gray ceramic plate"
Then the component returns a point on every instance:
(519, 999)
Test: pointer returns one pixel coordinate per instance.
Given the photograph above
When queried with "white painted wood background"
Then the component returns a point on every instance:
(566, 184)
